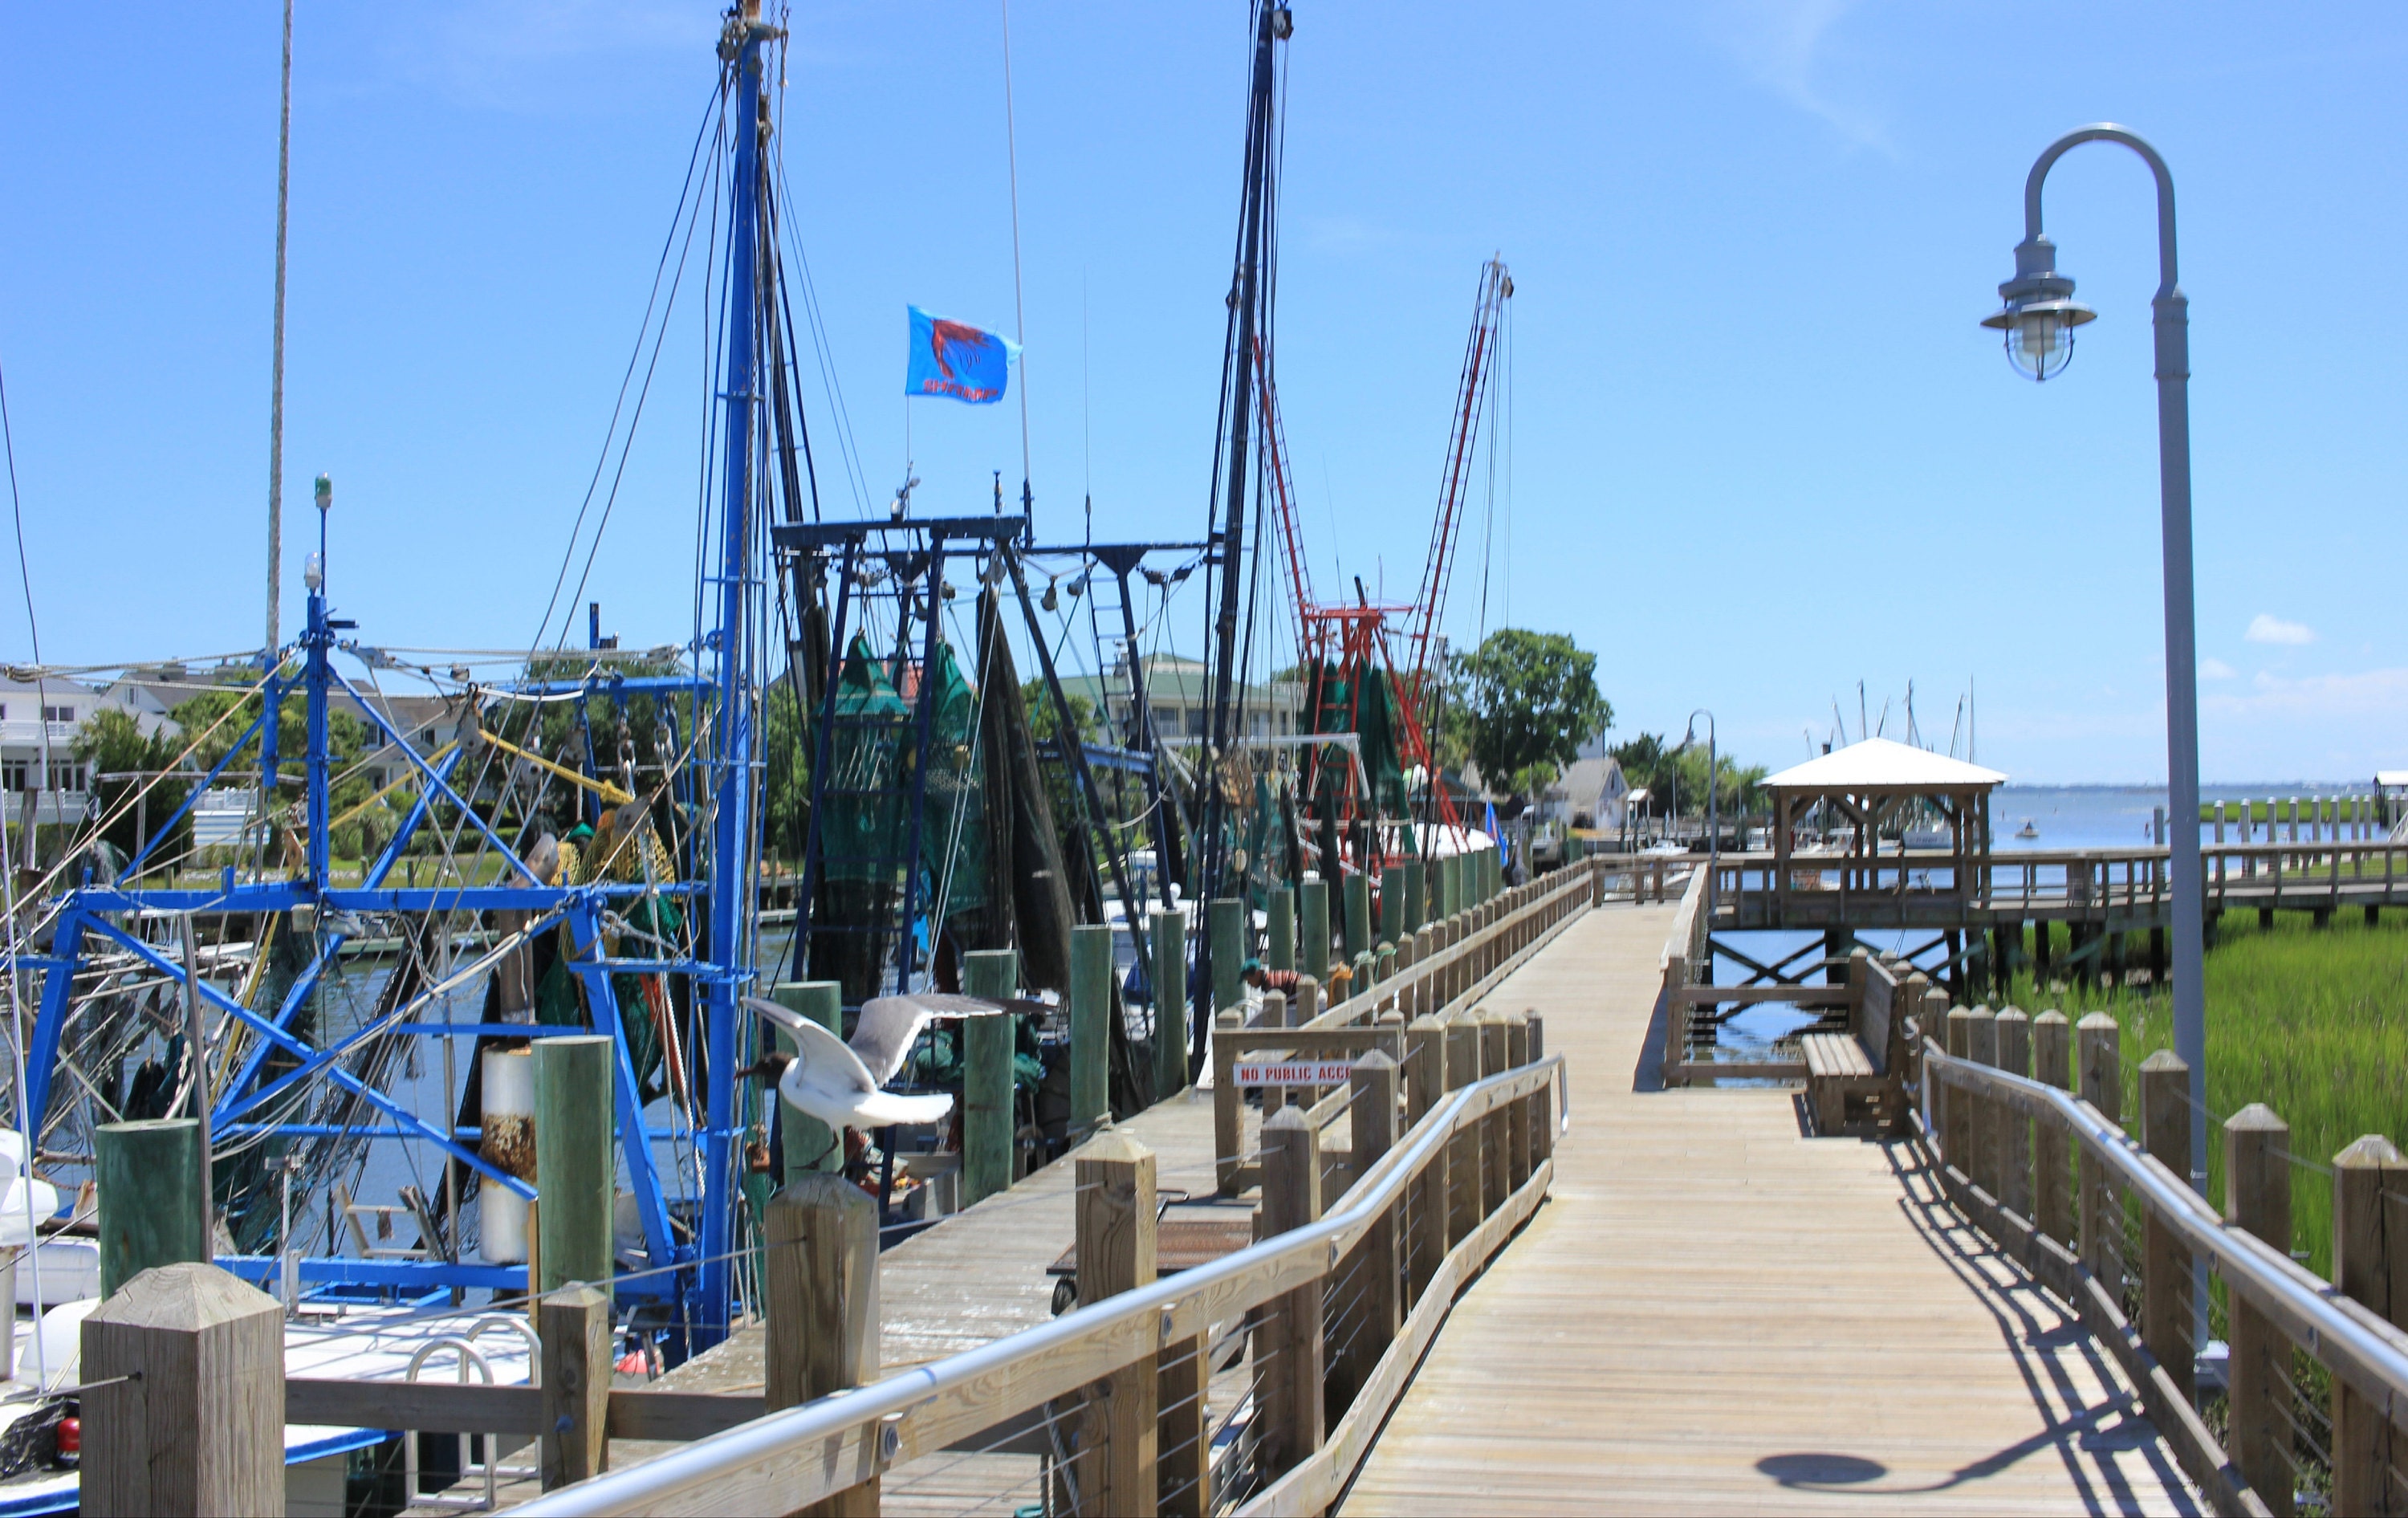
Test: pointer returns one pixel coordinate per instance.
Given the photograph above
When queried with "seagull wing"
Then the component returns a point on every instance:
(883, 1036)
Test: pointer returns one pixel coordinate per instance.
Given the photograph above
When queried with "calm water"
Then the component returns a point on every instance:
(2063, 816)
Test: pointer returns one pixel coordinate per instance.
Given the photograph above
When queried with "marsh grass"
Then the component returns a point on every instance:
(2311, 1022)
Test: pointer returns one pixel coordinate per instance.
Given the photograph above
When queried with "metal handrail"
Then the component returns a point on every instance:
(696, 1466)
(2360, 1348)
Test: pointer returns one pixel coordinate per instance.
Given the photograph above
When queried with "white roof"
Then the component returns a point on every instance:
(2391, 776)
(1878, 764)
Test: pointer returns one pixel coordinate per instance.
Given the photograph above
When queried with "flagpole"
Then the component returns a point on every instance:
(1019, 310)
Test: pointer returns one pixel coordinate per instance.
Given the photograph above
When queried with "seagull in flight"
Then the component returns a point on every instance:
(842, 1085)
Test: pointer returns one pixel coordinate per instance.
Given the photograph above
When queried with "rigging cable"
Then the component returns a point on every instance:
(1019, 310)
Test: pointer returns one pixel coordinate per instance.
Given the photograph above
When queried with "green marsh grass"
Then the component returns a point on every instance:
(2311, 1022)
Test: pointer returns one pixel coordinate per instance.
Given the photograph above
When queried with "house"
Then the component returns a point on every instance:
(1180, 698)
(1591, 793)
(38, 719)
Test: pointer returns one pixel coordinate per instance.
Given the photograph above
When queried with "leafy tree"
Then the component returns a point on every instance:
(1648, 760)
(1527, 700)
(110, 743)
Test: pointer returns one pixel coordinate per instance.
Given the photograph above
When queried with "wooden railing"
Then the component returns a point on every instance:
(1331, 1309)
(2123, 1239)
(2292, 876)
(1440, 972)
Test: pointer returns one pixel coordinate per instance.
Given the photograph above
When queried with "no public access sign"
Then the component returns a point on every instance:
(1295, 1072)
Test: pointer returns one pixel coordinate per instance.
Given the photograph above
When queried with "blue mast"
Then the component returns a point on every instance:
(732, 840)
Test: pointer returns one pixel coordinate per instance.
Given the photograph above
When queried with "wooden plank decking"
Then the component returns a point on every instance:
(1717, 1313)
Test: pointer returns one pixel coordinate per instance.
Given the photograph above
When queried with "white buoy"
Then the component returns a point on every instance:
(509, 1145)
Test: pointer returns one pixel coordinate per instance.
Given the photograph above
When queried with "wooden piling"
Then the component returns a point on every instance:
(2165, 1264)
(2098, 1052)
(183, 1396)
(2258, 1197)
(1312, 924)
(1279, 942)
(1957, 1117)
(573, 1329)
(1090, 1013)
(807, 1143)
(148, 1174)
(1357, 893)
(1416, 895)
(575, 1126)
(823, 1308)
(1496, 1129)
(1391, 903)
(1426, 1086)
(1118, 1432)
(1518, 1112)
(2370, 1266)
(1982, 1127)
(1227, 920)
(1371, 1316)
(1465, 1173)
(1170, 1002)
(989, 1111)
(2052, 1171)
(2012, 1134)
(1288, 1343)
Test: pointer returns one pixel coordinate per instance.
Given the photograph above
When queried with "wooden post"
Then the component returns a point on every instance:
(2053, 1177)
(1288, 1343)
(1228, 921)
(575, 1123)
(1416, 895)
(1278, 947)
(989, 1122)
(1956, 1123)
(1426, 1086)
(2370, 1265)
(1371, 1314)
(2165, 1264)
(1518, 1112)
(2097, 1050)
(1391, 903)
(573, 1326)
(183, 1400)
(150, 1182)
(1465, 1169)
(1357, 897)
(2013, 1129)
(1170, 1002)
(1117, 1430)
(823, 1302)
(1312, 912)
(1091, 1013)
(1983, 1124)
(808, 1143)
(1542, 1102)
(2258, 1197)
(1229, 1106)
(1497, 1128)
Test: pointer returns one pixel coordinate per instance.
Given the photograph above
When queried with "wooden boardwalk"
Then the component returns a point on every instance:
(1717, 1313)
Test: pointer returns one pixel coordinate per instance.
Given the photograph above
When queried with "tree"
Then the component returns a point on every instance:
(1529, 700)
(110, 744)
(1663, 768)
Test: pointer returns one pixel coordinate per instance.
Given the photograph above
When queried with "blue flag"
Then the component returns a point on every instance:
(956, 359)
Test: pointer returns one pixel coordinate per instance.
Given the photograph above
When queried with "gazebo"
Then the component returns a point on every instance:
(1869, 784)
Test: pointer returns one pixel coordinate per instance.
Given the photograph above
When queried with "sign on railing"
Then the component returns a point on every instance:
(1294, 1072)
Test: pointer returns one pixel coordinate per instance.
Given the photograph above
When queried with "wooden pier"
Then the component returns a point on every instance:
(1717, 1313)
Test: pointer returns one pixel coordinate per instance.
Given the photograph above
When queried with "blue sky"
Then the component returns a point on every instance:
(1759, 449)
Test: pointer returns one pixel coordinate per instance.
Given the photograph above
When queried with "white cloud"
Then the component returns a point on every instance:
(2215, 669)
(2265, 627)
(2373, 693)
(1783, 44)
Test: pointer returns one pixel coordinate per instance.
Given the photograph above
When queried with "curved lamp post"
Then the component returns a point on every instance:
(2039, 319)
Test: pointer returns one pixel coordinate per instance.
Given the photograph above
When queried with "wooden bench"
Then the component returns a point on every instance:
(1862, 1065)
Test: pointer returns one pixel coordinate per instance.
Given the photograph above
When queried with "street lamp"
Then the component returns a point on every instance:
(2039, 319)
(1713, 778)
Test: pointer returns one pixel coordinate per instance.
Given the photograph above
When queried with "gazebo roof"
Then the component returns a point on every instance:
(1878, 764)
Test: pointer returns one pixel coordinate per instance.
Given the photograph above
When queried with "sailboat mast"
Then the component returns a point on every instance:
(276, 383)
(731, 839)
